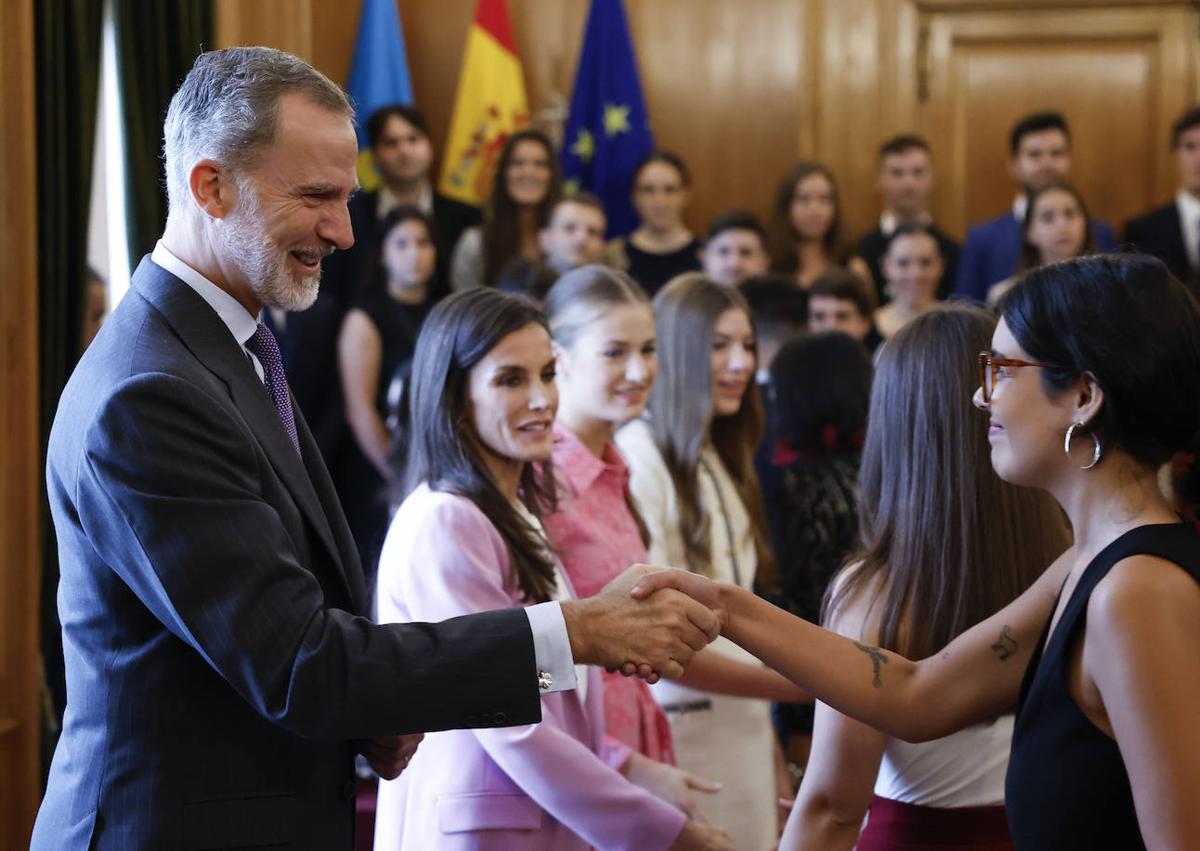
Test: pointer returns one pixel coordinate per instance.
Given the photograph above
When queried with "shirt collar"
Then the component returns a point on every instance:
(1020, 203)
(388, 202)
(577, 465)
(1189, 207)
(239, 322)
(888, 222)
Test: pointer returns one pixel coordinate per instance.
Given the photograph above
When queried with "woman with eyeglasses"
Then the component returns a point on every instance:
(1091, 384)
(926, 572)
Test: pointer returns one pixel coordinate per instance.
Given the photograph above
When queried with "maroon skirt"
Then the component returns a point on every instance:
(895, 826)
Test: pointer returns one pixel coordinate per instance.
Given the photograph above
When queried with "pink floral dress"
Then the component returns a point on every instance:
(596, 537)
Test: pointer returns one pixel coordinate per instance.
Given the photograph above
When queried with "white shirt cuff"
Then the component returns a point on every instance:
(551, 648)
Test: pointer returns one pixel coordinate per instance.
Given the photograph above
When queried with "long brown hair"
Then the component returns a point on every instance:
(781, 234)
(681, 415)
(579, 298)
(1031, 257)
(501, 219)
(458, 334)
(946, 543)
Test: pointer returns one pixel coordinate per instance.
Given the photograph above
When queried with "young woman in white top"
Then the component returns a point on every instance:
(926, 573)
(693, 480)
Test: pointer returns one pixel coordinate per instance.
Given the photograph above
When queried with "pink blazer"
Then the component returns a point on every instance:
(551, 785)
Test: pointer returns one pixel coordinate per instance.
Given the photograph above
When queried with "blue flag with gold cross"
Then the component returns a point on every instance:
(378, 74)
(608, 131)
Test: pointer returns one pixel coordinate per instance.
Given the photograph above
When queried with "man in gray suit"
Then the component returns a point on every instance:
(220, 669)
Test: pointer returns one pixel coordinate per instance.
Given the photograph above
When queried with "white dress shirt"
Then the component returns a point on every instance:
(1188, 206)
(551, 644)
(386, 202)
(1020, 205)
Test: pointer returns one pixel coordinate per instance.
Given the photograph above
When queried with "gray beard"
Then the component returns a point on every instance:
(247, 242)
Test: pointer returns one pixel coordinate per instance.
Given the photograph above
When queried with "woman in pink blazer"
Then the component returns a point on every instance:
(468, 539)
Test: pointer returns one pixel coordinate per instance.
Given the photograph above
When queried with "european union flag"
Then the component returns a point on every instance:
(608, 132)
(379, 69)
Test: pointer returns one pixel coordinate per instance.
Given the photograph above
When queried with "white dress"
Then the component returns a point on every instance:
(716, 737)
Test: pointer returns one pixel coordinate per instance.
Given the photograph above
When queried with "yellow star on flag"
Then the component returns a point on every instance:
(571, 187)
(616, 119)
(585, 145)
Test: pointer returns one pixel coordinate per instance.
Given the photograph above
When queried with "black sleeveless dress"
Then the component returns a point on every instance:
(1066, 786)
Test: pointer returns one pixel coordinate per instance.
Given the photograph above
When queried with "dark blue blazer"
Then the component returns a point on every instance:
(1160, 233)
(218, 657)
(993, 251)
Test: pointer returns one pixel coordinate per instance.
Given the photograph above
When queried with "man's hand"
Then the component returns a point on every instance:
(390, 755)
(657, 633)
(698, 836)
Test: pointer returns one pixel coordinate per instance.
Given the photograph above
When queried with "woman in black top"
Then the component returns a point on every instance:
(662, 246)
(1092, 383)
(378, 337)
(820, 387)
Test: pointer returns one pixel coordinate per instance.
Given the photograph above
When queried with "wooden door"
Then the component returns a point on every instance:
(1119, 73)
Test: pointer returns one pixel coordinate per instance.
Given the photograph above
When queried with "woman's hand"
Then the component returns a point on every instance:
(669, 783)
(698, 836)
(390, 755)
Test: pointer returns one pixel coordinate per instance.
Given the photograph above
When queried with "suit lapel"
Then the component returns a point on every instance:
(208, 338)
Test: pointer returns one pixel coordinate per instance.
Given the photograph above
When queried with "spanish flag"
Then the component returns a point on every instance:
(489, 106)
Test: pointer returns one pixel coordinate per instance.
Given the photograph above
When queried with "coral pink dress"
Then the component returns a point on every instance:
(596, 537)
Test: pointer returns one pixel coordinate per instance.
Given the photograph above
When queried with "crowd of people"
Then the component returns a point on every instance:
(414, 246)
(928, 494)
(753, 465)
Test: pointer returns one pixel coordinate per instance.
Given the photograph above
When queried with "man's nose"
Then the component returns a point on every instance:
(336, 228)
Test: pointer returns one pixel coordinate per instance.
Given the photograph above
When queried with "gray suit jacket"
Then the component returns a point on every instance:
(218, 659)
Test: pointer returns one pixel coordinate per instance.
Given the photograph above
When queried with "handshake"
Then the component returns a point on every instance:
(648, 621)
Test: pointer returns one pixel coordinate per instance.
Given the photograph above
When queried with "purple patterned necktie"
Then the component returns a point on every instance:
(264, 347)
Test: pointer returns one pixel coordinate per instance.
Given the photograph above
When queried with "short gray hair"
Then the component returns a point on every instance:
(227, 109)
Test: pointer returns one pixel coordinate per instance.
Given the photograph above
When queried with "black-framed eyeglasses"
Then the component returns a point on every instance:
(989, 364)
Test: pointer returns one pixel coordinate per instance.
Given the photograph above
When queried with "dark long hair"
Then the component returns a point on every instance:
(1124, 319)
(1031, 257)
(458, 334)
(946, 543)
(822, 387)
(681, 414)
(782, 236)
(393, 220)
(501, 222)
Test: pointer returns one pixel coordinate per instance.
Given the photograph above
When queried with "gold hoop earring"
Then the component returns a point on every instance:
(1095, 452)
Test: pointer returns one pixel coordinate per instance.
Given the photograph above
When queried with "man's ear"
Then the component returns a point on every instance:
(1089, 400)
(213, 188)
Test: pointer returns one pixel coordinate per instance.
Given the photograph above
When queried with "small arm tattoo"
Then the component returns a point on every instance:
(1006, 645)
(877, 659)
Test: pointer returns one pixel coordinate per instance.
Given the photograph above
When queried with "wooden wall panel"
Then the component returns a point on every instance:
(734, 114)
(285, 24)
(742, 89)
(20, 541)
(1119, 75)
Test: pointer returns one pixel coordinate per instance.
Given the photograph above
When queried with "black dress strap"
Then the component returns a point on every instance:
(1067, 786)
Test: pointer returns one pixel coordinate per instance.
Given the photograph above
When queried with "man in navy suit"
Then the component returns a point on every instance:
(1172, 233)
(403, 155)
(220, 668)
(1040, 147)
(906, 182)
